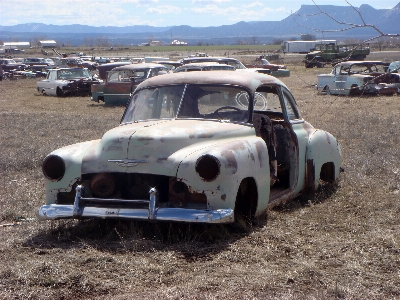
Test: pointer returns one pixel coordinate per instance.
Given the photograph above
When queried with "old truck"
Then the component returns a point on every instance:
(332, 54)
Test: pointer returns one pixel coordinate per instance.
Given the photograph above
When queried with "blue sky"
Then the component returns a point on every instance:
(161, 13)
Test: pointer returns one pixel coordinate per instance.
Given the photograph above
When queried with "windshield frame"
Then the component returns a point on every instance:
(129, 107)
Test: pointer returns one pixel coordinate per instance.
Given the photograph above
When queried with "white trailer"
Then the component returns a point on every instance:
(302, 46)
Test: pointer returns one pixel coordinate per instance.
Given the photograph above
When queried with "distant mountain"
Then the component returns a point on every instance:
(76, 28)
(325, 21)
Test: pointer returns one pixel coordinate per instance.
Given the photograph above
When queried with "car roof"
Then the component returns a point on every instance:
(250, 80)
(208, 59)
(139, 66)
(205, 64)
(63, 69)
(361, 62)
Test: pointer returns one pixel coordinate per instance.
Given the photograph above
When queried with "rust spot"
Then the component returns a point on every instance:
(260, 148)
(231, 161)
(146, 138)
(201, 136)
(205, 135)
(223, 197)
(308, 127)
(328, 138)
(310, 179)
(252, 156)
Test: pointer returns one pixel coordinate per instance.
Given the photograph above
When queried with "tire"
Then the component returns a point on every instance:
(59, 92)
(327, 90)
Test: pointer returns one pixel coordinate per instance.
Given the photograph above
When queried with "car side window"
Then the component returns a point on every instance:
(267, 98)
(291, 109)
(336, 71)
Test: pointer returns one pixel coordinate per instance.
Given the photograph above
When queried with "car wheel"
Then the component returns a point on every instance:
(327, 90)
(59, 92)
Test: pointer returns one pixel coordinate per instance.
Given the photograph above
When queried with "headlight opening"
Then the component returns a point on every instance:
(208, 167)
(53, 167)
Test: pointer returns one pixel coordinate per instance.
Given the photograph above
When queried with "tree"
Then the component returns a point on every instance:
(254, 40)
(277, 41)
(350, 26)
(308, 37)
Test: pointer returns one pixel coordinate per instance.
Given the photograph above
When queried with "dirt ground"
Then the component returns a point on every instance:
(345, 244)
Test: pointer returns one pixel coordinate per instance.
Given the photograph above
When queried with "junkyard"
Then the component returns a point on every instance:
(344, 243)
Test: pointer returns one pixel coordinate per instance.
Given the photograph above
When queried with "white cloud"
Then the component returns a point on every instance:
(239, 13)
(164, 9)
(139, 2)
(210, 1)
(255, 4)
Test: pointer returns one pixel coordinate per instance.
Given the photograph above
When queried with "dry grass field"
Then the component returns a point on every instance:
(345, 244)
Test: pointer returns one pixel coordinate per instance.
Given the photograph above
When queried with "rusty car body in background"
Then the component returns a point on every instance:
(9, 64)
(204, 66)
(359, 77)
(276, 70)
(122, 80)
(207, 147)
(67, 81)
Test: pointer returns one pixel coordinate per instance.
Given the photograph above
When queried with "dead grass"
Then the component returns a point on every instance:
(345, 244)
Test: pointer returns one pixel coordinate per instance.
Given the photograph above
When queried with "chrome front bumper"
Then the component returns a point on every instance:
(154, 213)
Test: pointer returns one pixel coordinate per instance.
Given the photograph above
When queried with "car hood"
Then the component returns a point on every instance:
(157, 147)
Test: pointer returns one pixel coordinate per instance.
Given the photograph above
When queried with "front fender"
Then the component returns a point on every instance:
(238, 159)
(72, 156)
(322, 148)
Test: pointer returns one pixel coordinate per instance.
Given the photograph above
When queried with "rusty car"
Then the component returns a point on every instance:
(207, 147)
(204, 66)
(67, 81)
(225, 61)
(276, 70)
(9, 64)
(358, 78)
(122, 80)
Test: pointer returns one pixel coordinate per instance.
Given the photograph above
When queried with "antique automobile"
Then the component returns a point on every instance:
(77, 62)
(276, 70)
(209, 147)
(105, 68)
(8, 64)
(67, 81)
(394, 67)
(359, 78)
(223, 60)
(204, 66)
(121, 82)
(170, 64)
(30, 61)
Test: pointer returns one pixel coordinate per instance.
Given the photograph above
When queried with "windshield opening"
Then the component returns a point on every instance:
(73, 73)
(154, 103)
(217, 102)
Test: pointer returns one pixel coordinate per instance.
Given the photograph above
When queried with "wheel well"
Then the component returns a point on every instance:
(246, 200)
(354, 90)
(328, 172)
